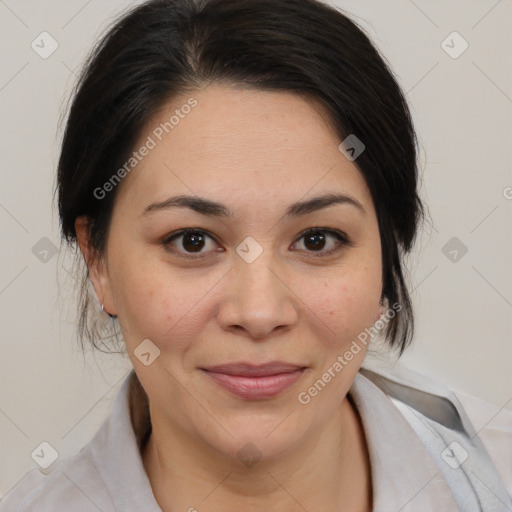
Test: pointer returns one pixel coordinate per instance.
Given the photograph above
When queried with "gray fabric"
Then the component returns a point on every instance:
(440, 422)
(404, 444)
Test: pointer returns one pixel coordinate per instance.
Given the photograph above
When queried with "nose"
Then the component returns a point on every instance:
(257, 298)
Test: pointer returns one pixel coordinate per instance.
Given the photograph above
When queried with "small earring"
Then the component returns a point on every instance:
(103, 309)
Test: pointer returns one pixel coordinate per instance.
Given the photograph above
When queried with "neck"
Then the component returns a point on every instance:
(328, 471)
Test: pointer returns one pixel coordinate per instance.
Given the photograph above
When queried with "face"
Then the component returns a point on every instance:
(254, 280)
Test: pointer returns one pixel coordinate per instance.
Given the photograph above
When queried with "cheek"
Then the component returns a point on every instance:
(345, 303)
(164, 307)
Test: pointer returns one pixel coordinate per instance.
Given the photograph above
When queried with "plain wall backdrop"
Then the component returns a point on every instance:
(460, 272)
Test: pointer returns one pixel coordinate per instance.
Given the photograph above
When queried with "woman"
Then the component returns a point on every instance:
(241, 180)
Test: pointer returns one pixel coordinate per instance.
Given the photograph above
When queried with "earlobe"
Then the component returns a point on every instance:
(97, 270)
(379, 312)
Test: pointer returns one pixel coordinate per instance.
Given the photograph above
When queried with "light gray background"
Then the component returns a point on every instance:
(462, 112)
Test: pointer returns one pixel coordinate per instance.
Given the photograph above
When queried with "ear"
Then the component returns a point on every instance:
(379, 312)
(98, 273)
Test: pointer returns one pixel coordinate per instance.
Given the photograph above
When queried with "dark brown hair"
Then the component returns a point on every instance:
(163, 48)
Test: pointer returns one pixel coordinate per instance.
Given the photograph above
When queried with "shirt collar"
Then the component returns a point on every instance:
(404, 476)
(117, 457)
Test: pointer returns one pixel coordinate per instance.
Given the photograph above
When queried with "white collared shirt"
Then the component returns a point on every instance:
(409, 473)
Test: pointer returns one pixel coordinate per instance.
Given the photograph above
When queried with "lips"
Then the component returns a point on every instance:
(252, 382)
(250, 370)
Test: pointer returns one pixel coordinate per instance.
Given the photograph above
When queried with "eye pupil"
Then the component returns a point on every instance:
(318, 241)
(196, 242)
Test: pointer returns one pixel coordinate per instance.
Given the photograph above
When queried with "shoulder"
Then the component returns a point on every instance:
(74, 481)
(493, 425)
(484, 429)
(107, 474)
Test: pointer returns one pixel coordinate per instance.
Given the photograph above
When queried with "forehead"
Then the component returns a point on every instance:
(240, 145)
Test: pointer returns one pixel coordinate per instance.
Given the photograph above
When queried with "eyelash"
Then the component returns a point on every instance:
(342, 241)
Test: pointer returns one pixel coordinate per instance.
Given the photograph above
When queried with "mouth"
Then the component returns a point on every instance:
(253, 382)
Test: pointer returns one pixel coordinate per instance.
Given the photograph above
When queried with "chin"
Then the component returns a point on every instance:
(263, 438)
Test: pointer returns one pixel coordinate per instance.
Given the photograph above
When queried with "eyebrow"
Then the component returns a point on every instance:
(215, 209)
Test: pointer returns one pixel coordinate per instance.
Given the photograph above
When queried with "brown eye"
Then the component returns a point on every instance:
(187, 242)
(315, 241)
(193, 242)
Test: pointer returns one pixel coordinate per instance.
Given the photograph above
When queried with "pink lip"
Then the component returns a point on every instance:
(255, 382)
